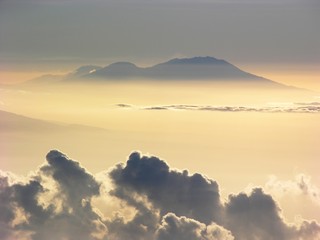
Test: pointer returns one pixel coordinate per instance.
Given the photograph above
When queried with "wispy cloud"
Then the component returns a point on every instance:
(312, 107)
(308, 103)
(300, 185)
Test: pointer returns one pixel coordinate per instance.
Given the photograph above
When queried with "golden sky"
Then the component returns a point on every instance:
(159, 160)
(237, 149)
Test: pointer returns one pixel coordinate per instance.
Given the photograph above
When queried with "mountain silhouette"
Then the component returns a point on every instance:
(177, 69)
(196, 68)
(12, 122)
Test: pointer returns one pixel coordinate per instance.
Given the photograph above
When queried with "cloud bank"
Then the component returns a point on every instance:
(312, 107)
(156, 203)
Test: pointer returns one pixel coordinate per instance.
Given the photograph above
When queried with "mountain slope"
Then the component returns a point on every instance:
(53, 79)
(117, 70)
(15, 122)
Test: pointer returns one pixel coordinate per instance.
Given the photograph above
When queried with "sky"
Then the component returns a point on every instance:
(159, 160)
(264, 37)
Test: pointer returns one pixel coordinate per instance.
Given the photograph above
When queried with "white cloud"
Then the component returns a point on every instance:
(300, 185)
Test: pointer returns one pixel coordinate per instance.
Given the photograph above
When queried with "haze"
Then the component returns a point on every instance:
(207, 129)
(236, 148)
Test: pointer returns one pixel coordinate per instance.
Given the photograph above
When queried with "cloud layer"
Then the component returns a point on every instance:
(312, 107)
(156, 203)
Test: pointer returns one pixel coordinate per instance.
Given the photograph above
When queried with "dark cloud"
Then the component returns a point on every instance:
(255, 215)
(74, 181)
(26, 196)
(7, 212)
(76, 187)
(313, 107)
(157, 108)
(142, 226)
(5, 195)
(74, 219)
(122, 105)
(182, 228)
(56, 202)
(193, 196)
(308, 231)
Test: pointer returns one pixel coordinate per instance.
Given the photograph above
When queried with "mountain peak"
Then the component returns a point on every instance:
(197, 60)
(122, 64)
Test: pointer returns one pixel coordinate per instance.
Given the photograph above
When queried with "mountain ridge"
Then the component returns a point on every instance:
(177, 69)
(174, 69)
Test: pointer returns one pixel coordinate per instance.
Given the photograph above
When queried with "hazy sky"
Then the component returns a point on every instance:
(55, 34)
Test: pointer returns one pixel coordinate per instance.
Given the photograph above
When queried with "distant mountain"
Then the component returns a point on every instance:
(196, 68)
(44, 79)
(181, 69)
(11, 122)
(185, 68)
(51, 78)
